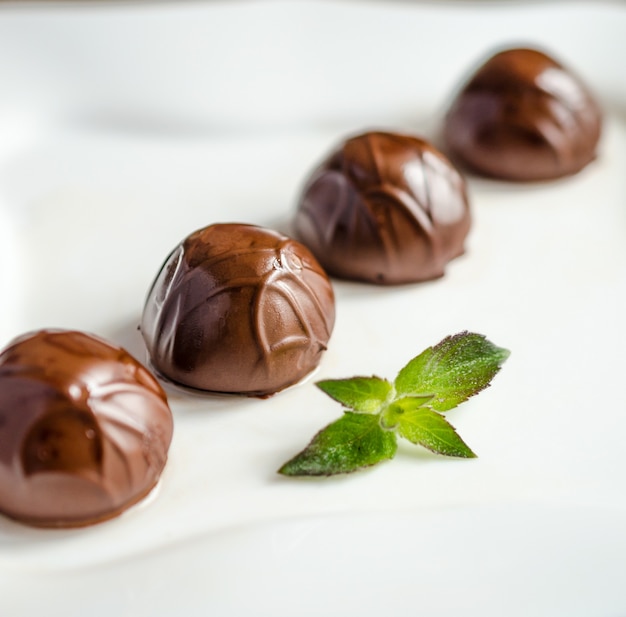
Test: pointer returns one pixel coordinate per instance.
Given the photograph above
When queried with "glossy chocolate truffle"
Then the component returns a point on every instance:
(238, 309)
(523, 117)
(84, 429)
(384, 208)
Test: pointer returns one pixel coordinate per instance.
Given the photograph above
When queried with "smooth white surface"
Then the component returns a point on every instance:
(124, 129)
(518, 561)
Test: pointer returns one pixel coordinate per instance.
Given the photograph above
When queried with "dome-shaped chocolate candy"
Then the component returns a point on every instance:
(523, 117)
(84, 429)
(384, 208)
(239, 309)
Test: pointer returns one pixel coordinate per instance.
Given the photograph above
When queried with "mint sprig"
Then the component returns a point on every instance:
(377, 411)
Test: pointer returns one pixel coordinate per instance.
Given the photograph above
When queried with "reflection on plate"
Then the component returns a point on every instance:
(112, 153)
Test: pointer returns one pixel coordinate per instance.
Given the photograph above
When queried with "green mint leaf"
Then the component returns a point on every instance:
(350, 443)
(435, 381)
(362, 394)
(427, 428)
(453, 370)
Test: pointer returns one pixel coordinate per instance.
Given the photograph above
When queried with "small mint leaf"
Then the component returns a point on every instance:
(350, 443)
(362, 394)
(453, 370)
(427, 428)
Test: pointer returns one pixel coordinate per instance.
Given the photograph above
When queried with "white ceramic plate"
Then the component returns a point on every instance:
(124, 128)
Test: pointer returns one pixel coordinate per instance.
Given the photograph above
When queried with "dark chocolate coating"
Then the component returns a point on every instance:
(523, 117)
(84, 429)
(384, 208)
(238, 309)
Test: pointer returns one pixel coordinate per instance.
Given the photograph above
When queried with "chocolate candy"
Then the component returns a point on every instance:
(384, 208)
(523, 116)
(84, 429)
(238, 309)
